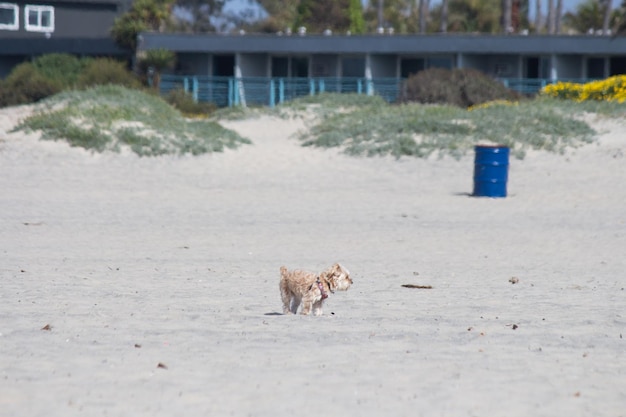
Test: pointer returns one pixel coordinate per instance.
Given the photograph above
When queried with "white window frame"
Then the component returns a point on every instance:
(39, 9)
(16, 23)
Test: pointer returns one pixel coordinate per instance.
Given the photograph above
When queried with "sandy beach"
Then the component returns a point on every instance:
(149, 286)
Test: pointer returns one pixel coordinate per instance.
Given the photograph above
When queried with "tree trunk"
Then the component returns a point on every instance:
(507, 9)
(538, 16)
(443, 25)
(558, 17)
(423, 16)
(606, 16)
(551, 15)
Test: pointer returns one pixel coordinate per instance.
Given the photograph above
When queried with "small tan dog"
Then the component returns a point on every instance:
(309, 289)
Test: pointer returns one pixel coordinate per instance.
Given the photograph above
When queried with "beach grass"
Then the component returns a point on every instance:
(112, 117)
(375, 128)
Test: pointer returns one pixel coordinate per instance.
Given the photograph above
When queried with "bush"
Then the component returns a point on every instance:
(112, 117)
(431, 86)
(458, 87)
(423, 130)
(104, 71)
(61, 68)
(610, 89)
(185, 103)
(26, 85)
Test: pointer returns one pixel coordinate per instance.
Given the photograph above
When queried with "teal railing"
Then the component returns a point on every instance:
(231, 91)
(531, 86)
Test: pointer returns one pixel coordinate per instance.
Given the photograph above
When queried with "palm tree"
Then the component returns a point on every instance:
(606, 16)
(551, 17)
(589, 16)
(155, 61)
(559, 16)
(443, 23)
(538, 16)
(423, 21)
(507, 10)
(620, 20)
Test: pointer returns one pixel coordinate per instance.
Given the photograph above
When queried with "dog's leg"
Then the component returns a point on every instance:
(317, 308)
(295, 303)
(286, 296)
(306, 308)
(308, 301)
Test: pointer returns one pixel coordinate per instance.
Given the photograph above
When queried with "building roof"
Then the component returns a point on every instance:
(80, 46)
(385, 44)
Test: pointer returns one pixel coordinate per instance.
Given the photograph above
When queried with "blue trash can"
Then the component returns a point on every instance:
(491, 171)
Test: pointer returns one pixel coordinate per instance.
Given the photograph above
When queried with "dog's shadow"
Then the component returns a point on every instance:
(274, 313)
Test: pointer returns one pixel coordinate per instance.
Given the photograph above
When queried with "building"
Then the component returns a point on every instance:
(79, 27)
(523, 62)
(283, 65)
(376, 56)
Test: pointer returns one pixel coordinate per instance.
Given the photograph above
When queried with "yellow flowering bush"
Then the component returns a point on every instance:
(610, 89)
(492, 104)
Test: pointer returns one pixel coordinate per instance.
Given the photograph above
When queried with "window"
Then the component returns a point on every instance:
(9, 16)
(39, 18)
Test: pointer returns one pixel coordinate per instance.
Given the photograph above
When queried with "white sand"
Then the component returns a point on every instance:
(139, 261)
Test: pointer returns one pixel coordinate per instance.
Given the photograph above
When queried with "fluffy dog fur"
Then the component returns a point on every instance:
(310, 289)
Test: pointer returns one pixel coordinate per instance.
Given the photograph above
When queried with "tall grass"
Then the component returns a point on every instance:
(111, 117)
(373, 127)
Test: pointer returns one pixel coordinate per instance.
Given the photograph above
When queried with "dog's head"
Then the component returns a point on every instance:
(338, 278)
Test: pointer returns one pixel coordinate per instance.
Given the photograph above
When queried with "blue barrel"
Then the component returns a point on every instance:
(491, 171)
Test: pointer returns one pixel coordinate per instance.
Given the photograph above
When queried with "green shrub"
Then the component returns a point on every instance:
(422, 130)
(432, 86)
(104, 71)
(61, 68)
(108, 118)
(478, 88)
(185, 103)
(52, 73)
(457, 87)
(26, 85)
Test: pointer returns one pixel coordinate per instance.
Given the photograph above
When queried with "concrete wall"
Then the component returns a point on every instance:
(254, 65)
(477, 62)
(569, 66)
(384, 66)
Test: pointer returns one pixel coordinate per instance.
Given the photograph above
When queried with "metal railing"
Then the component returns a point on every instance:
(231, 91)
(534, 85)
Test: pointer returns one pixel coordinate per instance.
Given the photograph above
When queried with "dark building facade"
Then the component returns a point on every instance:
(79, 27)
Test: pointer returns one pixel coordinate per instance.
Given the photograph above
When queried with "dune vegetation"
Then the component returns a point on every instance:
(372, 127)
(111, 117)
